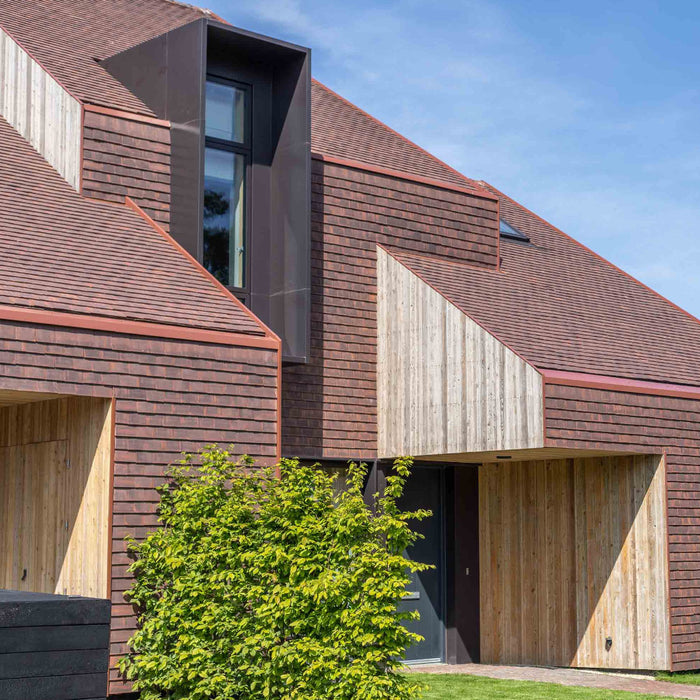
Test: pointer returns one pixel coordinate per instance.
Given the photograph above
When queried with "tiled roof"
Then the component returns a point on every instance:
(342, 130)
(62, 252)
(562, 307)
(69, 37)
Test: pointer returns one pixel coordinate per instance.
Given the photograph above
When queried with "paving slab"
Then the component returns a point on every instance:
(633, 683)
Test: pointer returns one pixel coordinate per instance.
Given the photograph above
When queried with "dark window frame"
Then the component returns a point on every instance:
(244, 149)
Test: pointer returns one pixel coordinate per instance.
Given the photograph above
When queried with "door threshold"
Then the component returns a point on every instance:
(424, 662)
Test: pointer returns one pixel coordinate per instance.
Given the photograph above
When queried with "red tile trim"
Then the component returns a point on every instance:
(401, 136)
(630, 386)
(131, 116)
(268, 333)
(357, 165)
(126, 327)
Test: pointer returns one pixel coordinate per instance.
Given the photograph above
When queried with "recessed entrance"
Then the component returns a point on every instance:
(55, 463)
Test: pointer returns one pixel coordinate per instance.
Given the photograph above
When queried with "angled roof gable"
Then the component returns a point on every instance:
(562, 307)
(342, 130)
(69, 38)
(62, 252)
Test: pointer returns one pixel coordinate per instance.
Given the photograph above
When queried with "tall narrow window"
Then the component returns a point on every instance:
(227, 157)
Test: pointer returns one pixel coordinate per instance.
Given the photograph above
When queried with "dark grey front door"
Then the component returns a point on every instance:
(426, 592)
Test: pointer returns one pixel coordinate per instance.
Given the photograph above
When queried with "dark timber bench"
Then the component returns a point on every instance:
(53, 647)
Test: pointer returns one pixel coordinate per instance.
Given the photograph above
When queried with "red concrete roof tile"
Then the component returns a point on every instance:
(62, 252)
(563, 307)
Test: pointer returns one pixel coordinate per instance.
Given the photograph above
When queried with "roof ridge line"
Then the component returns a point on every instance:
(593, 252)
(393, 131)
(529, 363)
(131, 204)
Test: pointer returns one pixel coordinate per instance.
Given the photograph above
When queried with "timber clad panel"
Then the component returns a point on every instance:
(123, 157)
(55, 462)
(578, 417)
(573, 552)
(445, 385)
(329, 405)
(40, 109)
(171, 396)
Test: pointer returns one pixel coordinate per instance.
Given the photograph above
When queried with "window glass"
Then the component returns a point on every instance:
(510, 232)
(224, 211)
(225, 112)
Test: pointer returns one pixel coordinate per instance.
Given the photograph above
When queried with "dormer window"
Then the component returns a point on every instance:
(508, 231)
(227, 161)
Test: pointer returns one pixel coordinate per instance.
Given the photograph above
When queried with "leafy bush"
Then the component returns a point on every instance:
(264, 585)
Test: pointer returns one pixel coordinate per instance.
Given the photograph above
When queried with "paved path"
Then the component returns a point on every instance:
(570, 676)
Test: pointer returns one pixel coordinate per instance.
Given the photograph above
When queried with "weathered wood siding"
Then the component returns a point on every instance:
(55, 459)
(445, 385)
(40, 109)
(329, 405)
(579, 417)
(574, 552)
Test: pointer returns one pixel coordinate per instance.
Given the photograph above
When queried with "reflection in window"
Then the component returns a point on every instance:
(224, 212)
(225, 112)
(227, 157)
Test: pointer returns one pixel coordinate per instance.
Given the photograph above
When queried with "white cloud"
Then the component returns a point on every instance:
(463, 80)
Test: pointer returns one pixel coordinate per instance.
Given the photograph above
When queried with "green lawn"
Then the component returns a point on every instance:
(463, 687)
(689, 677)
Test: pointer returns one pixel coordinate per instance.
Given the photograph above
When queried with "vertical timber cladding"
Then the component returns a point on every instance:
(40, 109)
(55, 462)
(574, 568)
(444, 384)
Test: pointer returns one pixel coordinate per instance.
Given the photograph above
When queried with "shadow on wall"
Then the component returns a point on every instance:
(54, 496)
(573, 568)
(303, 385)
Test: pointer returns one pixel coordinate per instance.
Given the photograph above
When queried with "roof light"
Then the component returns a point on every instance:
(508, 231)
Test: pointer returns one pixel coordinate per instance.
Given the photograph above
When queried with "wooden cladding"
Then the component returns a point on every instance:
(574, 563)
(40, 109)
(445, 385)
(55, 459)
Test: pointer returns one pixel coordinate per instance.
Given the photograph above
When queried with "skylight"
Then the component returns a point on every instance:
(508, 231)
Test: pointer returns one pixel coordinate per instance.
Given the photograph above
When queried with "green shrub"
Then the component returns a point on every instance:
(264, 585)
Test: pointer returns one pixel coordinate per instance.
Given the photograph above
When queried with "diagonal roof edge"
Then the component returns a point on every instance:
(400, 175)
(40, 64)
(592, 252)
(467, 181)
(461, 310)
(128, 202)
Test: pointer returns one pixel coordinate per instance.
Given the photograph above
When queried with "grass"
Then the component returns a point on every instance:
(687, 677)
(464, 687)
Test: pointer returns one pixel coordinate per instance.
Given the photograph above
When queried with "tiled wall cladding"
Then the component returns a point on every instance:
(329, 405)
(171, 396)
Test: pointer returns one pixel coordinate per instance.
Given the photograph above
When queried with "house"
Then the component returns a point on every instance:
(199, 243)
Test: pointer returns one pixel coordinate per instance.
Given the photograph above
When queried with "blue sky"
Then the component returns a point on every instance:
(586, 113)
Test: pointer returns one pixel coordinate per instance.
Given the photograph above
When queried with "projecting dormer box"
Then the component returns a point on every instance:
(240, 113)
